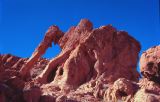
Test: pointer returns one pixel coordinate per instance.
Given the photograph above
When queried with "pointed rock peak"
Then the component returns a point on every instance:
(84, 25)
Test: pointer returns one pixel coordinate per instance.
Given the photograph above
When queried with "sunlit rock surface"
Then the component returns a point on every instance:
(94, 65)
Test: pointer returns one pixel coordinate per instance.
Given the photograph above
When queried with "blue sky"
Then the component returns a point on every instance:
(24, 22)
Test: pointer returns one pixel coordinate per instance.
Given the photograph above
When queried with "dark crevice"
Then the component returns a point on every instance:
(61, 71)
(122, 93)
(156, 79)
(51, 75)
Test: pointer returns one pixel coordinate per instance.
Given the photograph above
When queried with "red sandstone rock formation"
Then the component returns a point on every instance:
(150, 69)
(147, 89)
(52, 35)
(93, 55)
(94, 65)
(150, 64)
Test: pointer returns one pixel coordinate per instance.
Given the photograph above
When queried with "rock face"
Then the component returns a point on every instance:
(53, 34)
(150, 64)
(150, 69)
(93, 54)
(11, 85)
(94, 65)
(148, 87)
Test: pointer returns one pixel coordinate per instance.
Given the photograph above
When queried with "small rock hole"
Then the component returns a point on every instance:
(61, 71)
(122, 93)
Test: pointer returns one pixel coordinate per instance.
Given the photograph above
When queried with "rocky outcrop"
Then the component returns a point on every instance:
(147, 89)
(150, 69)
(94, 65)
(122, 90)
(10, 66)
(53, 34)
(11, 84)
(150, 64)
(93, 54)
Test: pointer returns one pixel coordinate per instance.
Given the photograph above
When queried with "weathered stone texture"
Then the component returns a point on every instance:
(94, 65)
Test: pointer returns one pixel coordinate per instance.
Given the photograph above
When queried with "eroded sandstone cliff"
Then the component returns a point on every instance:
(94, 65)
